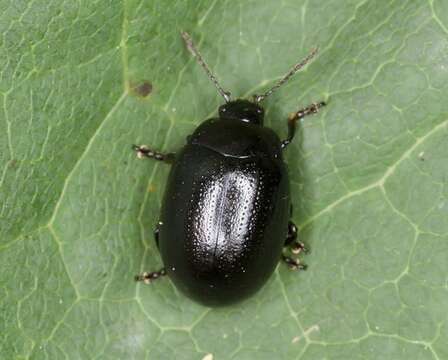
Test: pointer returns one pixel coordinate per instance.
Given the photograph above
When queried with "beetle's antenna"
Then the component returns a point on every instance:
(190, 45)
(289, 74)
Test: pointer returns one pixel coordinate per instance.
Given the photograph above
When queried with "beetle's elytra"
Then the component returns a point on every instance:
(225, 215)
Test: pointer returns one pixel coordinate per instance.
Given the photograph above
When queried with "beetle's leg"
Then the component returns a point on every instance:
(156, 234)
(148, 277)
(295, 246)
(294, 117)
(144, 151)
(291, 240)
(292, 233)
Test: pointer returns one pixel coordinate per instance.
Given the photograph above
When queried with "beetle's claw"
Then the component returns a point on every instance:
(297, 266)
(305, 250)
(298, 247)
(293, 264)
(293, 267)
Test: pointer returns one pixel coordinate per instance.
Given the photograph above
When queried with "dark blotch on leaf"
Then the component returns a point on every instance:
(142, 89)
(13, 164)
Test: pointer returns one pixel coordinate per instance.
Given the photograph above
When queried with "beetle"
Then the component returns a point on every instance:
(225, 217)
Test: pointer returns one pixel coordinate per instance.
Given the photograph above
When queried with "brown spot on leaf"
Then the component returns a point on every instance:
(142, 89)
(13, 164)
(151, 188)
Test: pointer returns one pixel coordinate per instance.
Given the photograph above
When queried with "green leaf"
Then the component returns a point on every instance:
(82, 81)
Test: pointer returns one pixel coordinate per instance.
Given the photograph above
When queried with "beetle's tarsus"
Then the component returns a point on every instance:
(148, 277)
(144, 151)
(298, 115)
(293, 264)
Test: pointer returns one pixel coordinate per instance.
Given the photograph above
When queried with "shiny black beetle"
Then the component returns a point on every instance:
(225, 213)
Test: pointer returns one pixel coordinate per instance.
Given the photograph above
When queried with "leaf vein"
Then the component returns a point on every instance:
(389, 172)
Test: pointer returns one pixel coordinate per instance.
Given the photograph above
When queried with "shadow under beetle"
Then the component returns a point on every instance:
(225, 214)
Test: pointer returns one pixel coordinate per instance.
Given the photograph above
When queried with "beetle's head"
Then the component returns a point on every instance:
(243, 110)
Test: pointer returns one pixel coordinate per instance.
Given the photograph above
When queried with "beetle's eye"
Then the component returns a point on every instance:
(259, 111)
